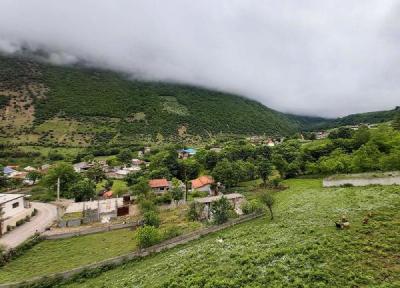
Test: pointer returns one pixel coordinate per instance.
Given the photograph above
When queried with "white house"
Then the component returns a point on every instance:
(14, 207)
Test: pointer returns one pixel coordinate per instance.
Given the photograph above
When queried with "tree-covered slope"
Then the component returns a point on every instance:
(138, 107)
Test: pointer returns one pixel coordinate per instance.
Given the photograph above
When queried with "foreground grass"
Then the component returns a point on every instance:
(51, 256)
(300, 248)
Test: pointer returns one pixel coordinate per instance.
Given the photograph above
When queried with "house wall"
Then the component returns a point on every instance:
(160, 190)
(206, 188)
(9, 208)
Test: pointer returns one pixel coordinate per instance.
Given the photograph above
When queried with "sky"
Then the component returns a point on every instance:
(322, 58)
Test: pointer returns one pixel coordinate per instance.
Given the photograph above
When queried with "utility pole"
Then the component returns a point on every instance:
(58, 189)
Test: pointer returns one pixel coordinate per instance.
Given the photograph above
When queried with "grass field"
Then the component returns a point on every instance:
(51, 256)
(300, 248)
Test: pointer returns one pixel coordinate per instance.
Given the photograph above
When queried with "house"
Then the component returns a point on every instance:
(203, 183)
(15, 207)
(159, 185)
(44, 168)
(29, 169)
(186, 153)
(81, 167)
(8, 171)
(137, 162)
(270, 143)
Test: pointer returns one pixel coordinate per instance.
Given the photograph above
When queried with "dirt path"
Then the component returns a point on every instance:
(46, 215)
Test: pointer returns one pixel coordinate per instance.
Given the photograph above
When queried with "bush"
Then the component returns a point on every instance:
(163, 199)
(147, 236)
(253, 206)
(146, 205)
(151, 218)
(194, 213)
(171, 232)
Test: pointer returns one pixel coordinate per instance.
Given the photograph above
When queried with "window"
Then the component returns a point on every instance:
(15, 205)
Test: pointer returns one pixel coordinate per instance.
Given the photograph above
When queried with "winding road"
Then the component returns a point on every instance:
(47, 214)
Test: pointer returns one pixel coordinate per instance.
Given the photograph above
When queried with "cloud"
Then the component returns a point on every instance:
(326, 58)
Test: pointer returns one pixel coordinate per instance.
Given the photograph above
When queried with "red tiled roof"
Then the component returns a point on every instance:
(202, 181)
(108, 194)
(156, 183)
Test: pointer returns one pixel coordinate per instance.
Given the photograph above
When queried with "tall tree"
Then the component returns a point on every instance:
(96, 173)
(65, 172)
(264, 169)
(83, 190)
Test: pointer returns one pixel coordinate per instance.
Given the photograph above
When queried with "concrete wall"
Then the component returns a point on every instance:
(362, 181)
(13, 221)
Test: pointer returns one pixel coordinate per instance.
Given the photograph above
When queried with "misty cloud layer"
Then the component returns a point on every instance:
(326, 58)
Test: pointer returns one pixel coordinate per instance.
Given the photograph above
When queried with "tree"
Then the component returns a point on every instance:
(151, 218)
(96, 173)
(188, 169)
(341, 133)
(176, 190)
(141, 188)
(34, 176)
(167, 159)
(226, 173)
(264, 169)
(132, 178)
(108, 184)
(147, 236)
(396, 122)
(3, 178)
(65, 172)
(83, 190)
(220, 210)
(267, 199)
(125, 156)
(194, 212)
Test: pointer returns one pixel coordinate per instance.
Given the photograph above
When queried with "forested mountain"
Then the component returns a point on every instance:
(130, 106)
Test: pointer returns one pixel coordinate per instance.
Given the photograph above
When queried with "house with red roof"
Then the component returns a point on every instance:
(203, 183)
(159, 185)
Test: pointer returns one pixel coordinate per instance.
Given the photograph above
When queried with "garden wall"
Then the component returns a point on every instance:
(89, 231)
(135, 255)
(362, 181)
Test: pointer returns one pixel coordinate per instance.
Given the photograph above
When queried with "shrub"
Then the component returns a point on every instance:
(146, 205)
(147, 236)
(220, 210)
(151, 218)
(171, 232)
(253, 206)
(165, 198)
(194, 212)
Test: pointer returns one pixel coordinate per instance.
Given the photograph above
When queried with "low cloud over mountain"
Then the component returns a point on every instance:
(326, 58)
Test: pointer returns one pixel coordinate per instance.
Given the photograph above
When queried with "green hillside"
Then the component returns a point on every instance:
(128, 107)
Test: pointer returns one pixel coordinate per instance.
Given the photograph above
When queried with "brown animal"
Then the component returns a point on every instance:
(346, 225)
(365, 221)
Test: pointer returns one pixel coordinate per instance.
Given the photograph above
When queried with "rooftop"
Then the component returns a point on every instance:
(202, 181)
(4, 198)
(156, 183)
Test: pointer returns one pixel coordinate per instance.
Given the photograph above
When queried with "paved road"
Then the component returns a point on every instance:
(47, 214)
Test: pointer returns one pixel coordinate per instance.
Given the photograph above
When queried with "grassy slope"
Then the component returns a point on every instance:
(301, 248)
(53, 256)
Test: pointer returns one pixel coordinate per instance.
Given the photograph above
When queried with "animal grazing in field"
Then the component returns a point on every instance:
(365, 221)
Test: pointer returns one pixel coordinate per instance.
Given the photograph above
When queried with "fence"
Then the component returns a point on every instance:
(173, 242)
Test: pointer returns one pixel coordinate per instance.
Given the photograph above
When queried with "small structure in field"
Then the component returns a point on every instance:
(234, 198)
